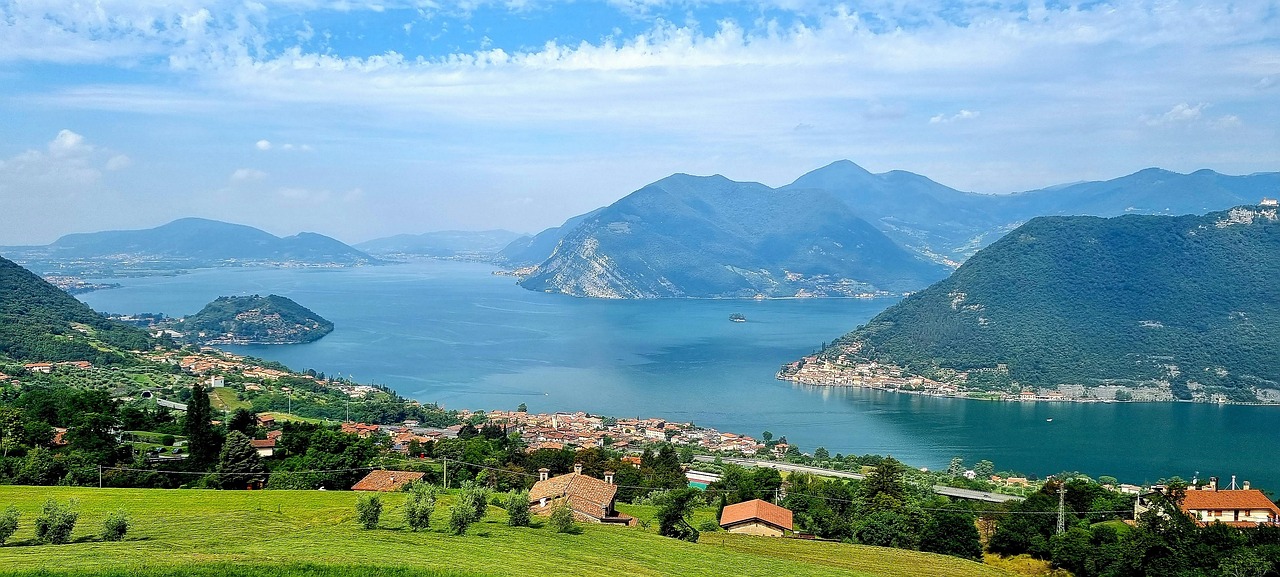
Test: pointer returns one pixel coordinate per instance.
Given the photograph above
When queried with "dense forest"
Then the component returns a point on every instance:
(1187, 300)
(39, 322)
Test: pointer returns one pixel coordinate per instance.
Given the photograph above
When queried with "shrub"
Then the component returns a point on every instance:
(460, 517)
(167, 440)
(369, 510)
(562, 519)
(477, 497)
(420, 505)
(55, 523)
(708, 526)
(518, 509)
(115, 526)
(8, 523)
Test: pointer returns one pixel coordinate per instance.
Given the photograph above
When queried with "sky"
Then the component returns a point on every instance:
(365, 118)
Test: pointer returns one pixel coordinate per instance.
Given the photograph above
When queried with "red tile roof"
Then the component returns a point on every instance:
(586, 495)
(1228, 500)
(386, 480)
(756, 509)
(263, 443)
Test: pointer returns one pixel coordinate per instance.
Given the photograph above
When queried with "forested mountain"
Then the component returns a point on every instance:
(272, 319)
(1189, 303)
(687, 236)
(193, 242)
(40, 322)
(463, 244)
(928, 219)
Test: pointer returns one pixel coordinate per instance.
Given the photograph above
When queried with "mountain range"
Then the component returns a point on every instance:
(455, 244)
(837, 231)
(1187, 304)
(186, 243)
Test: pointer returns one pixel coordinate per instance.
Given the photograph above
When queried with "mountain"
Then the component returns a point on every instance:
(193, 242)
(687, 236)
(39, 322)
(472, 245)
(1185, 304)
(531, 250)
(254, 319)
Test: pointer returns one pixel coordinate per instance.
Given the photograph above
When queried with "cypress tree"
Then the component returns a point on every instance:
(202, 443)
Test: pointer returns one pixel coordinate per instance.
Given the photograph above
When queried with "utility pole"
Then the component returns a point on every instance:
(446, 473)
(1062, 500)
(99, 476)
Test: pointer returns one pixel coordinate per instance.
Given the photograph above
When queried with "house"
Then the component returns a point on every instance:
(1237, 507)
(386, 480)
(1269, 202)
(45, 368)
(592, 500)
(757, 517)
(267, 421)
(265, 447)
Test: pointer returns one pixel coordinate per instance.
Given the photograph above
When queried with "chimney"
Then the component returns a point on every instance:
(542, 473)
(608, 478)
(393, 478)
(577, 468)
(1233, 482)
(1246, 485)
(1213, 483)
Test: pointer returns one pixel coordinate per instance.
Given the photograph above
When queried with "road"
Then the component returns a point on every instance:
(967, 494)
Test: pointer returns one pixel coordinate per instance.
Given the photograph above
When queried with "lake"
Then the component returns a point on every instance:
(455, 334)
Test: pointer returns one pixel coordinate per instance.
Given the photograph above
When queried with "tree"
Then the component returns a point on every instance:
(8, 523)
(518, 509)
(245, 421)
(420, 505)
(562, 518)
(821, 454)
(887, 528)
(11, 430)
(767, 436)
(92, 434)
(984, 469)
(956, 468)
(952, 533)
(369, 510)
(239, 464)
(202, 443)
(115, 526)
(523, 408)
(56, 521)
(675, 508)
(885, 481)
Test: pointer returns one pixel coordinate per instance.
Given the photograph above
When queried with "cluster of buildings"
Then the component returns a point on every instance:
(559, 430)
(1239, 507)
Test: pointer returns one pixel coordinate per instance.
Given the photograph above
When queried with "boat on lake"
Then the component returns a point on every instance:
(738, 317)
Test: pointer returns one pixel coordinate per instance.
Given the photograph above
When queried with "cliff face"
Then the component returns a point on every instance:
(710, 237)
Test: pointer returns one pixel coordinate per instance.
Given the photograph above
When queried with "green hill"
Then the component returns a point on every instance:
(39, 322)
(315, 533)
(254, 319)
(1188, 304)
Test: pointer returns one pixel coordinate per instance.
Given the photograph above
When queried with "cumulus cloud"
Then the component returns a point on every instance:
(962, 115)
(67, 163)
(1182, 113)
(119, 162)
(263, 145)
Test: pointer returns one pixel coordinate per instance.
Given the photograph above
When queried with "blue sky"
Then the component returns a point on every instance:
(361, 119)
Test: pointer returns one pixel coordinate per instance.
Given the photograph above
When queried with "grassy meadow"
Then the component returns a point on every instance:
(314, 534)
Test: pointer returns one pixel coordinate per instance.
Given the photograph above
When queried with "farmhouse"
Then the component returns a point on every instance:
(1238, 507)
(265, 447)
(386, 480)
(591, 499)
(757, 517)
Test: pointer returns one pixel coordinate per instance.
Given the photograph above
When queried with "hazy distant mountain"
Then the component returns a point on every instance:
(477, 245)
(531, 250)
(193, 242)
(687, 236)
(1187, 303)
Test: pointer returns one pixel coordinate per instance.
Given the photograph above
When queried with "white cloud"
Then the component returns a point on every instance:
(263, 145)
(1182, 113)
(119, 162)
(66, 164)
(247, 175)
(962, 115)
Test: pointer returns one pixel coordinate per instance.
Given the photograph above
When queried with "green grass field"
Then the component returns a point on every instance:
(314, 533)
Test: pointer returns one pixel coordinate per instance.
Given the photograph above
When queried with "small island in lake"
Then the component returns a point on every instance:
(738, 317)
(253, 320)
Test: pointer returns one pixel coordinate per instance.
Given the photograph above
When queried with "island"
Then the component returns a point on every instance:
(252, 320)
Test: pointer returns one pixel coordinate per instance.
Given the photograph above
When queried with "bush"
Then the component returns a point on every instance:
(460, 517)
(115, 526)
(8, 523)
(369, 510)
(420, 505)
(562, 519)
(708, 526)
(477, 497)
(55, 523)
(167, 440)
(518, 509)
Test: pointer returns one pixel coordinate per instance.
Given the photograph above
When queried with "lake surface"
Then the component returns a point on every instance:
(455, 334)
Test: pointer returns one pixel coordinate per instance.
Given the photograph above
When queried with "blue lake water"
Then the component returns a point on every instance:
(455, 334)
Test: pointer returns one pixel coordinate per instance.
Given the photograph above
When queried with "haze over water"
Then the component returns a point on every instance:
(454, 334)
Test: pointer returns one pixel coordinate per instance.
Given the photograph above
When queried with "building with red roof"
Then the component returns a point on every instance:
(386, 480)
(757, 517)
(591, 499)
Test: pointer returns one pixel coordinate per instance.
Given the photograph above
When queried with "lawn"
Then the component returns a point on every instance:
(314, 533)
(224, 399)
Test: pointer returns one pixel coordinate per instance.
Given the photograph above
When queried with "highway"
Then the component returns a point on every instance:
(967, 494)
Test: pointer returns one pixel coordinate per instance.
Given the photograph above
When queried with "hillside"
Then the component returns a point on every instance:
(314, 533)
(254, 319)
(457, 244)
(531, 250)
(186, 243)
(39, 322)
(687, 236)
(1178, 307)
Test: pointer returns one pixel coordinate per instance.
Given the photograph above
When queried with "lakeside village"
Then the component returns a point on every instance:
(848, 370)
(277, 395)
